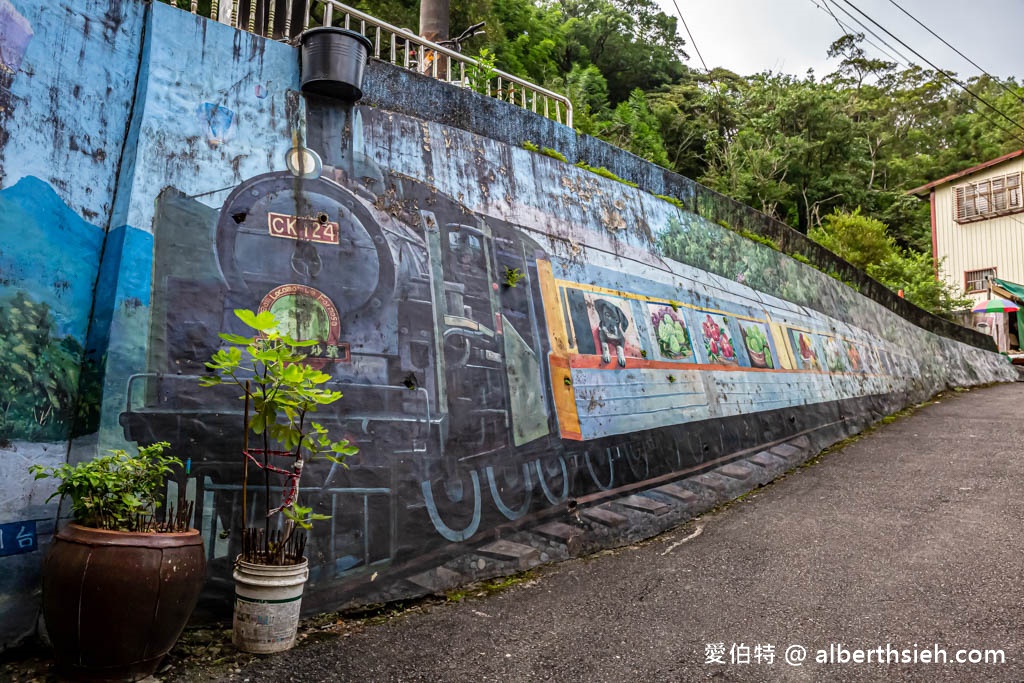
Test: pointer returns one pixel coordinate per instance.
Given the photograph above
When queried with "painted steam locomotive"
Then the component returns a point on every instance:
(485, 379)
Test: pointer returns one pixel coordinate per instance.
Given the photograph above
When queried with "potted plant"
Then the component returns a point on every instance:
(119, 584)
(281, 392)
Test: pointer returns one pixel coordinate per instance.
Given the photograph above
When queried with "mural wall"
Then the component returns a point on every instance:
(67, 79)
(512, 334)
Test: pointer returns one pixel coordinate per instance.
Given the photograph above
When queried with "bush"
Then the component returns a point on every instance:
(118, 492)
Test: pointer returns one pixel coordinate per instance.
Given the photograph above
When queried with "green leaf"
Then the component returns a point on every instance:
(262, 322)
(246, 316)
(236, 339)
(344, 448)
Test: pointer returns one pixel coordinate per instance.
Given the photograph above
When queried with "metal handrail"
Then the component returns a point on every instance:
(394, 45)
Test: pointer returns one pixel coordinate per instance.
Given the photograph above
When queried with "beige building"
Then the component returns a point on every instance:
(978, 233)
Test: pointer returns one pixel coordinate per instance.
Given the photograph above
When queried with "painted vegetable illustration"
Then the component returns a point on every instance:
(717, 343)
(757, 347)
(810, 358)
(670, 331)
(833, 359)
(854, 355)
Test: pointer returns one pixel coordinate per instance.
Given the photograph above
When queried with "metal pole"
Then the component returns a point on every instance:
(434, 19)
(245, 460)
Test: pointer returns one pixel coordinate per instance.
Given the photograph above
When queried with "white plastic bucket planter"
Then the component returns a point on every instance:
(267, 603)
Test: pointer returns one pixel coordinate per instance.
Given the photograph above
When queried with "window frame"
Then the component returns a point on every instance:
(993, 270)
(1007, 198)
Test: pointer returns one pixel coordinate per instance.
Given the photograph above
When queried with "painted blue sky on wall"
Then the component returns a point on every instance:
(50, 251)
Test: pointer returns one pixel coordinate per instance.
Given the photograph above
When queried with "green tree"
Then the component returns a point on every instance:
(914, 273)
(38, 400)
(795, 131)
(587, 88)
(634, 128)
(632, 42)
(697, 116)
(865, 243)
(861, 240)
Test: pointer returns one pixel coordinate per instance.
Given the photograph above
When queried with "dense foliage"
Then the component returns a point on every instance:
(51, 389)
(864, 242)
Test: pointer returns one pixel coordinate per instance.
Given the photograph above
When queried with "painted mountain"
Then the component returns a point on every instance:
(48, 261)
(48, 252)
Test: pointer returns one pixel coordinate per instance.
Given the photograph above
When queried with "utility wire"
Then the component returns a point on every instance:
(692, 41)
(996, 124)
(850, 31)
(938, 69)
(871, 32)
(946, 43)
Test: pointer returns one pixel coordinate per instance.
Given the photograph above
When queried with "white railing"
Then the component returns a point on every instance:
(286, 19)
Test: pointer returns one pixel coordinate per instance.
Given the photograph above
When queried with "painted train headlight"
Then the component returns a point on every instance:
(303, 163)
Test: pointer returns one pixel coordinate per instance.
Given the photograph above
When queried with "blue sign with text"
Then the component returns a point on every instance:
(17, 538)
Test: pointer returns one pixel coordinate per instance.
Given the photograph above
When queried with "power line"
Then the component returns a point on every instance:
(871, 32)
(850, 31)
(946, 43)
(937, 69)
(865, 27)
(692, 41)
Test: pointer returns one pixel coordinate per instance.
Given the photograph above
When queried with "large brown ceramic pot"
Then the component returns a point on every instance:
(115, 602)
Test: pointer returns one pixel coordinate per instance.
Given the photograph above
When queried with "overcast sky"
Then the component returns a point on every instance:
(791, 36)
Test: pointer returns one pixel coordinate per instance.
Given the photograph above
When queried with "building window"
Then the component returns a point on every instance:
(987, 198)
(977, 280)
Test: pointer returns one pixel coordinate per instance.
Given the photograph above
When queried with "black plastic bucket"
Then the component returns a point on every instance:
(333, 61)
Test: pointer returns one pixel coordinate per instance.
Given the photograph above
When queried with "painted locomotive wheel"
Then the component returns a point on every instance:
(601, 468)
(552, 470)
(636, 460)
(458, 500)
(512, 480)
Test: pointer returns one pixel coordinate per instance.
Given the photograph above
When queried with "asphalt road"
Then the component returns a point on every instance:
(909, 538)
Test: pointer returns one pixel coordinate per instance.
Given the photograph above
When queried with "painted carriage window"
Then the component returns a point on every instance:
(869, 357)
(671, 337)
(805, 350)
(719, 346)
(603, 324)
(881, 362)
(755, 339)
(853, 357)
(833, 356)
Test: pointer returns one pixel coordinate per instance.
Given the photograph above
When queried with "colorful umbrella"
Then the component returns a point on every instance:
(996, 305)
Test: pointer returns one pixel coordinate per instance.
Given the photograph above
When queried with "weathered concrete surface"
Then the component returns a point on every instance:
(911, 535)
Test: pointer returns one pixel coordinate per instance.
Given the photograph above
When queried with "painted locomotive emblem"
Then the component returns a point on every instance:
(308, 314)
(302, 228)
